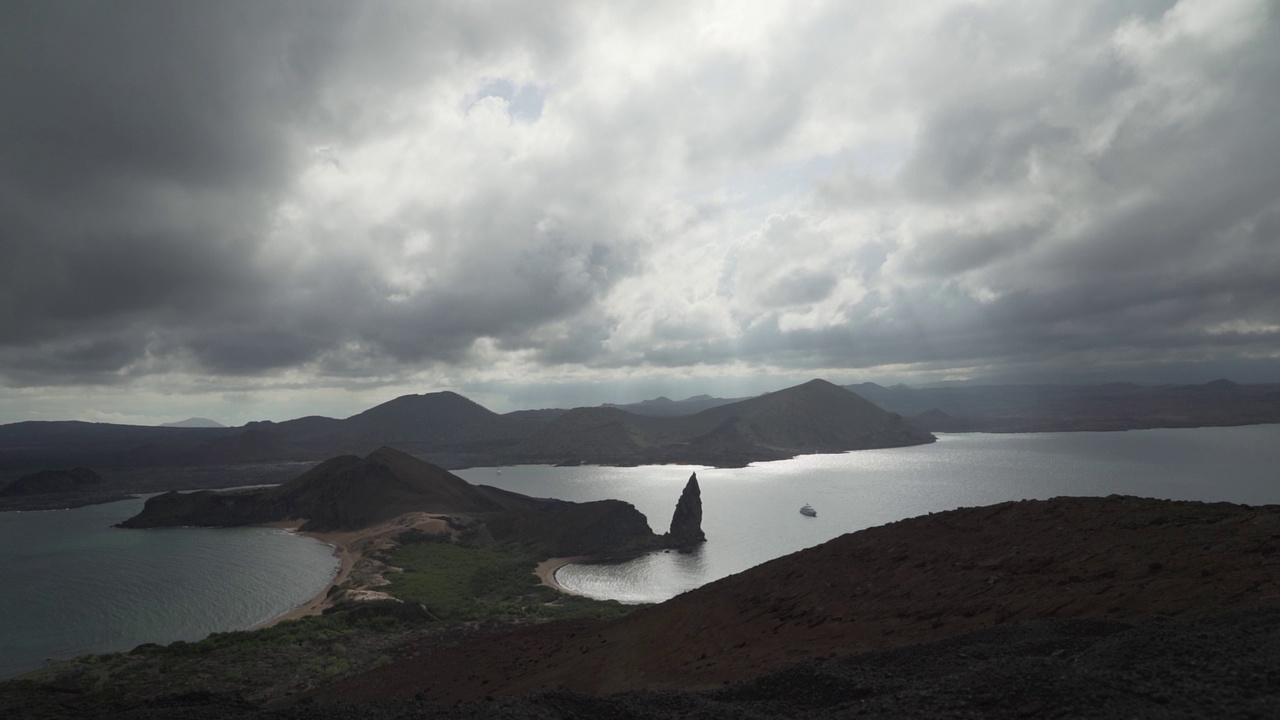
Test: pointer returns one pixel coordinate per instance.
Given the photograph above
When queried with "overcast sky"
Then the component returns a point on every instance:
(259, 210)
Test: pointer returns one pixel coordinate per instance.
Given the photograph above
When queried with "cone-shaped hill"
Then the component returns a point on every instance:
(441, 417)
(350, 493)
(810, 418)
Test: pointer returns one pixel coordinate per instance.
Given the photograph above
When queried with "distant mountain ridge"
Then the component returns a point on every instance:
(814, 417)
(666, 407)
(194, 422)
(453, 431)
(51, 481)
(1068, 408)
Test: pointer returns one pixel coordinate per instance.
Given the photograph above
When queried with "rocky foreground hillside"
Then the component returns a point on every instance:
(1118, 559)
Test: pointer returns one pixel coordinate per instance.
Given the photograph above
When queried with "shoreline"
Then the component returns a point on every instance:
(342, 544)
(350, 547)
(322, 600)
(547, 569)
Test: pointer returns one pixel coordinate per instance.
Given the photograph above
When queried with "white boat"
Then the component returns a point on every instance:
(808, 511)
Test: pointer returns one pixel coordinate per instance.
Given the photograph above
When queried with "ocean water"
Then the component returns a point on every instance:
(751, 515)
(71, 584)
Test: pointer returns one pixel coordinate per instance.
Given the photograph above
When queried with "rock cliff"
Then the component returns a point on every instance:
(686, 522)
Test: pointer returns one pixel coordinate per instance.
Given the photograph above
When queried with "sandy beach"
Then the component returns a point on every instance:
(351, 548)
(546, 571)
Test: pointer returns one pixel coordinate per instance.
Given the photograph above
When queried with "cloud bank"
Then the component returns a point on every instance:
(302, 199)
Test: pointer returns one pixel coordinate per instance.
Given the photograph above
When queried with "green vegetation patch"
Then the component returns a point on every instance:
(461, 582)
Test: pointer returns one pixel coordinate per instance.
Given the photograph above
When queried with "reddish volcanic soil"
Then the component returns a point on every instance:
(923, 579)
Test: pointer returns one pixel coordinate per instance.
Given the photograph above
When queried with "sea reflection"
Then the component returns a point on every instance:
(751, 514)
(650, 578)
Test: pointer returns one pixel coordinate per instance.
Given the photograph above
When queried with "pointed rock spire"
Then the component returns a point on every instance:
(686, 522)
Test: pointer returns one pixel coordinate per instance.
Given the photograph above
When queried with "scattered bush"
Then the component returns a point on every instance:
(418, 536)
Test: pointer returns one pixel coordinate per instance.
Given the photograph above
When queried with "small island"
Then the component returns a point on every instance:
(367, 506)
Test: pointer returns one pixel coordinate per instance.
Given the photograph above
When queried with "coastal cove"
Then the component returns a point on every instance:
(230, 579)
(72, 584)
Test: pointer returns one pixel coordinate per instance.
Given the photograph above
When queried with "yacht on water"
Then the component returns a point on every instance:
(808, 511)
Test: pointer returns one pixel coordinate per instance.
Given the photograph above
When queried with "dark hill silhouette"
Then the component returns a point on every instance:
(74, 434)
(936, 420)
(438, 422)
(51, 481)
(429, 423)
(666, 407)
(1066, 408)
(194, 422)
(257, 444)
(817, 416)
(524, 423)
(814, 417)
(305, 429)
(443, 417)
(595, 434)
(351, 493)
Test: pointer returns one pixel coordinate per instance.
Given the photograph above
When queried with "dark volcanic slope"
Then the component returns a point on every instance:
(1220, 666)
(814, 417)
(1117, 558)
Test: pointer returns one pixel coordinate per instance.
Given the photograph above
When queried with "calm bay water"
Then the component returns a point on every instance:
(751, 515)
(71, 584)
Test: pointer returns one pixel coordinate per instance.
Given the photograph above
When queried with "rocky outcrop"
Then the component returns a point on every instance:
(51, 481)
(686, 522)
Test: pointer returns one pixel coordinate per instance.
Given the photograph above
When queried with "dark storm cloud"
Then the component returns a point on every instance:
(147, 148)
(142, 143)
